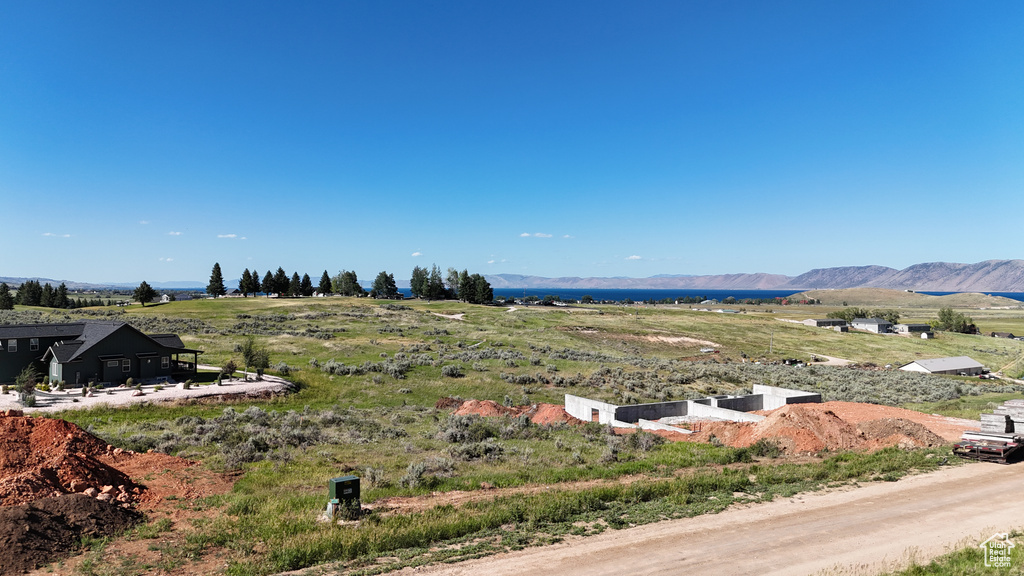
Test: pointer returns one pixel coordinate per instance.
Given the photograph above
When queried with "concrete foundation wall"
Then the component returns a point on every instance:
(775, 397)
(654, 411)
(735, 408)
(583, 408)
(648, 425)
(703, 411)
(742, 403)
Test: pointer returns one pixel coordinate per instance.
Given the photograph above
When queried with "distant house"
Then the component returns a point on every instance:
(956, 365)
(912, 328)
(824, 322)
(233, 293)
(876, 325)
(1003, 335)
(81, 352)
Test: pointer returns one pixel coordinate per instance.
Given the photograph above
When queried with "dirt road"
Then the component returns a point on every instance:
(851, 531)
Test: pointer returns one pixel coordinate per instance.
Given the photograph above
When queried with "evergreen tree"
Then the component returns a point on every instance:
(295, 286)
(6, 299)
(482, 292)
(268, 284)
(384, 286)
(46, 300)
(245, 284)
(144, 293)
(435, 284)
(216, 286)
(29, 293)
(281, 282)
(62, 300)
(306, 286)
(418, 282)
(325, 284)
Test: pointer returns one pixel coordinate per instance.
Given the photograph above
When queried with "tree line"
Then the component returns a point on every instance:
(31, 293)
(472, 288)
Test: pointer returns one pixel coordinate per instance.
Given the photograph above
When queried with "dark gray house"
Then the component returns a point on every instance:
(80, 352)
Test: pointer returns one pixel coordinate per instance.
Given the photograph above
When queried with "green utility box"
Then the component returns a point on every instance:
(344, 490)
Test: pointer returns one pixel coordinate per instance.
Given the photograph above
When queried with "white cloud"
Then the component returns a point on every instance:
(167, 259)
(174, 233)
(567, 236)
(490, 261)
(417, 254)
(52, 235)
(143, 222)
(525, 235)
(535, 235)
(635, 257)
(227, 235)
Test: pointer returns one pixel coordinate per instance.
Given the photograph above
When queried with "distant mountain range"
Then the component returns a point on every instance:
(987, 276)
(73, 285)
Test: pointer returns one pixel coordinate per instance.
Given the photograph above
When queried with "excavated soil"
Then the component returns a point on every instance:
(58, 483)
(837, 426)
(36, 533)
(537, 413)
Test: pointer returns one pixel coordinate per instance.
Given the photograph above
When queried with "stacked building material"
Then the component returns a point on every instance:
(997, 424)
(1014, 412)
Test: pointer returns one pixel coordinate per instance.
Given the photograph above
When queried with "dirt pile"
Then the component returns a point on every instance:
(836, 426)
(42, 457)
(801, 429)
(33, 534)
(537, 413)
(899, 432)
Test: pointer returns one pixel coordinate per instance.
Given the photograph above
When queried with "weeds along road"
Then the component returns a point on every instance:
(861, 530)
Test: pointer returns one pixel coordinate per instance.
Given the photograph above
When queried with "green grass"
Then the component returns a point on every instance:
(969, 407)
(968, 560)
(387, 423)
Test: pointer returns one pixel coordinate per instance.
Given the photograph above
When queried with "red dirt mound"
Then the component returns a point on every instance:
(801, 429)
(538, 413)
(42, 457)
(485, 408)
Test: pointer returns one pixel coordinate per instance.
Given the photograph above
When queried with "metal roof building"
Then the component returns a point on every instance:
(962, 365)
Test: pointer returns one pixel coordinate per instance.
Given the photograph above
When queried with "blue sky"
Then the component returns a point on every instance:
(146, 141)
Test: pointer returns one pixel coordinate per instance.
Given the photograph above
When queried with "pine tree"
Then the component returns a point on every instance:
(295, 286)
(384, 286)
(418, 282)
(144, 293)
(281, 282)
(306, 286)
(6, 299)
(325, 284)
(245, 284)
(62, 297)
(216, 286)
(46, 300)
(268, 284)
(435, 285)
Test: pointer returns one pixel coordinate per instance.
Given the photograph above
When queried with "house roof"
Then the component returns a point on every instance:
(76, 338)
(946, 364)
(70, 330)
(870, 321)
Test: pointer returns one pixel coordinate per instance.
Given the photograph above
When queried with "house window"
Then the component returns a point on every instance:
(112, 364)
(55, 370)
(12, 345)
(165, 362)
(126, 365)
(33, 344)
